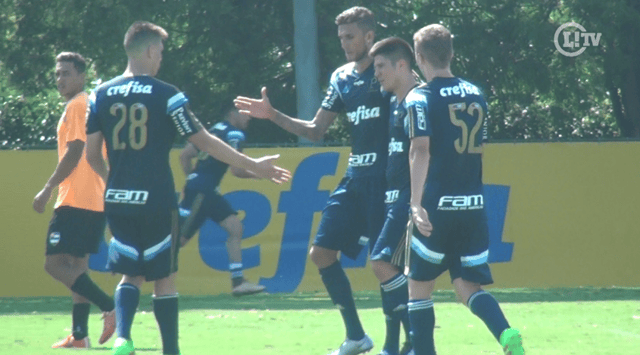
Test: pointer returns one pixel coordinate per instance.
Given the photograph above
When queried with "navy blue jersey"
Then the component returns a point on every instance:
(209, 171)
(398, 175)
(139, 118)
(367, 109)
(452, 112)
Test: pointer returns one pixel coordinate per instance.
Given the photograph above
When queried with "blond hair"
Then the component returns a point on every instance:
(435, 44)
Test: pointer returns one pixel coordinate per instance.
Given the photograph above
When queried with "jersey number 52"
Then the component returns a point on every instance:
(467, 142)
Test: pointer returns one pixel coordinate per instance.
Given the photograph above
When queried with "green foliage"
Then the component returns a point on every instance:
(220, 49)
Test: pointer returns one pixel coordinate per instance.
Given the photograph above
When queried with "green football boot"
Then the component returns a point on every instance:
(511, 342)
(123, 346)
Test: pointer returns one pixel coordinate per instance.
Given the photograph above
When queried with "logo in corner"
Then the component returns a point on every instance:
(54, 238)
(572, 39)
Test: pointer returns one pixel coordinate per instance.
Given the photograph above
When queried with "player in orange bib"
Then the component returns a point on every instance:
(78, 221)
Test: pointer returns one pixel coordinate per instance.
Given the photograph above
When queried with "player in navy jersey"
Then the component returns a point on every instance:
(353, 214)
(139, 117)
(202, 197)
(392, 62)
(447, 127)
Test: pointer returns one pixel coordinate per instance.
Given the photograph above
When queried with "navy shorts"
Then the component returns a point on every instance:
(197, 206)
(144, 245)
(75, 231)
(391, 242)
(459, 243)
(353, 216)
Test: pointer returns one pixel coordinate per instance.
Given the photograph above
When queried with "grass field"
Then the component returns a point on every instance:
(584, 321)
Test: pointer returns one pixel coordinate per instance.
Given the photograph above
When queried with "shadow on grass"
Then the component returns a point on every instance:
(320, 300)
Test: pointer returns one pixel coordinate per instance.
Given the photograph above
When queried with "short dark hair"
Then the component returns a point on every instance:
(394, 48)
(141, 33)
(75, 58)
(359, 15)
(435, 43)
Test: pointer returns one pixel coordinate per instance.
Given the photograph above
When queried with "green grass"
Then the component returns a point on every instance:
(580, 321)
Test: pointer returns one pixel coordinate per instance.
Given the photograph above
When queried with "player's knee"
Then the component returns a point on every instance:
(383, 270)
(322, 257)
(52, 265)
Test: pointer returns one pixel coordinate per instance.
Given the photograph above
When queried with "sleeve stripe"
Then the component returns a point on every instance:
(176, 101)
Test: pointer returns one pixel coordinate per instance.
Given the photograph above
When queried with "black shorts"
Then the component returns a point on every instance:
(75, 231)
(144, 245)
(197, 206)
(459, 243)
(353, 216)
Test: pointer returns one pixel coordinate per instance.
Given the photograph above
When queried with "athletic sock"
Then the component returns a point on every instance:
(237, 277)
(80, 318)
(127, 297)
(423, 321)
(339, 288)
(395, 295)
(483, 305)
(89, 290)
(165, 309)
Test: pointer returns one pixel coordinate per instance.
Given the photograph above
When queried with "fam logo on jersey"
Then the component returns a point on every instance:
(363, 113)
(366, 159)
(395, 146)
(133, 87)
(392, 196)
(461, 203)
(54, 238)
(462, 90)
(132, 197)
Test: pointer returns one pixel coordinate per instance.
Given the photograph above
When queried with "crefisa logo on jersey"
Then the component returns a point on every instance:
(133, 87)
(461, 203)
(54, 238)
(395, 146)
(363, 113)
(462, 90)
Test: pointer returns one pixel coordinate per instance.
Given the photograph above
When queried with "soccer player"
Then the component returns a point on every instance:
(139, 117)
(78, 220)
(392, 62)
(447, 128)
(202, 199)
(354, 213)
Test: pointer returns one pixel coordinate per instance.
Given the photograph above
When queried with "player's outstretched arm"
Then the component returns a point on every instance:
(262, 167)
(313, 130)
(419, 167)
(65, 167)
(95, 159)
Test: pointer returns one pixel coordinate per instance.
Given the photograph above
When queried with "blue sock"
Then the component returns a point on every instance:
(339, 288)
(483, 305)
(165, 309)
(127, 297)
(237, 277)
(395, 295)
(423, 321)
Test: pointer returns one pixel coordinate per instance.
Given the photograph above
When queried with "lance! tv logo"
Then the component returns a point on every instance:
(572, 39)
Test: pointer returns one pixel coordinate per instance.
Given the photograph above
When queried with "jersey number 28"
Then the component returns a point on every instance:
(137, 115)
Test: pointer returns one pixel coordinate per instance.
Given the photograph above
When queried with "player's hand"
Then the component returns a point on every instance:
(41, 199)
(421, 220)
(255, 108)
(266, 169)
